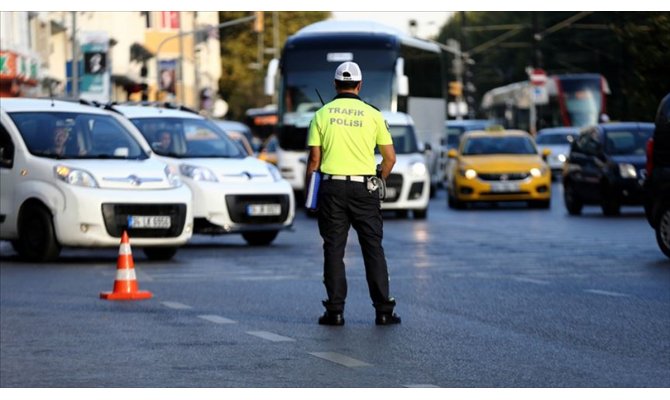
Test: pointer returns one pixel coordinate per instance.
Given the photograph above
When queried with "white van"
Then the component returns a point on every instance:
(232, 192)
(75, 175)
(408, 185)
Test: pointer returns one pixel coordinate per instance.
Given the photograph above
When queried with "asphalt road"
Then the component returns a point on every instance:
(490, 297)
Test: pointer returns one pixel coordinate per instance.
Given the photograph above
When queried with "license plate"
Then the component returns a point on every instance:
(391, 192)
(149, 221)
(260, 210)
(503, 187)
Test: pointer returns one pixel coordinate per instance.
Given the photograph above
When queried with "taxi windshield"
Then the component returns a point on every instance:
(483, 145)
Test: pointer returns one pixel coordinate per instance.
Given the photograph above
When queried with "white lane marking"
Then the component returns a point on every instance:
(176, 306)
(531, 280)
(341, 359)
(606, 293)
(273, 337)
(217, 319)
(420, 385)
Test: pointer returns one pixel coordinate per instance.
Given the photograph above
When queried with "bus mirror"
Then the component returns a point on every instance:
(273, 66)
(403, 81)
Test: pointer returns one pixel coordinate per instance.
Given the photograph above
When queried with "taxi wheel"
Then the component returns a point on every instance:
(454, 203)
(37, 239)
(160, 253)
(260, 238)
(663, 231)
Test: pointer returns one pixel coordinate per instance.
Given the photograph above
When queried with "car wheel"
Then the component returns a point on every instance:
(263, 238)
(159, 253)
(401, 213)
(572, 202)
(663, 231)
(455, 204)
(420, 214)
(611, 206)
(541, 204)
(37, 239)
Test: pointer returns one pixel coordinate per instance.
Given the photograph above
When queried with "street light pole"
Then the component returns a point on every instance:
(180, 34)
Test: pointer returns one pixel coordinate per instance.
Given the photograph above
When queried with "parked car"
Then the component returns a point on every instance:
(454, 130)
(606, 166)
(408, 185)
(494, 166)
(557, 140)
(75, 175)
(232, 193)
(657, 183)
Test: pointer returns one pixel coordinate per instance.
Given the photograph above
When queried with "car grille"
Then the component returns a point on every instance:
(237, 208)
(116, 219)
(394, 181)
(517, 176)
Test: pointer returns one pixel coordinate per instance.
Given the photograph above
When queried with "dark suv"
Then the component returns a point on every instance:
(606, 166)
(657, 185)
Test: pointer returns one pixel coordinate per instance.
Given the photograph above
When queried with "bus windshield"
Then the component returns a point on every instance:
(582, 100)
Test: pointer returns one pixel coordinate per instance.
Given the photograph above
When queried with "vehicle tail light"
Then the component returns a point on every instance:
(650, 156)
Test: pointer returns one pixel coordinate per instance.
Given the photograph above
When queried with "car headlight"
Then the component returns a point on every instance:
(418, 169)
(627, 170)
(274, 172)
(198, 173)
(172, 176)
(538, 172)
(561, 157)
(73, 176)
(469, 173)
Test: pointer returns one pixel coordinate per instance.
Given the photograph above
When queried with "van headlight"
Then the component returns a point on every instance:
(274, 172)
(418, 169)
(627, 170)
(198, 173)
(73, 176)
(172, 176)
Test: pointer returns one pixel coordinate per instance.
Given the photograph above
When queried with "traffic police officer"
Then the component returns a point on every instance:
(342, 138)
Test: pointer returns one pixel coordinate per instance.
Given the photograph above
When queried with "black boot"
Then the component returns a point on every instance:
(332, 318)
(387, 318)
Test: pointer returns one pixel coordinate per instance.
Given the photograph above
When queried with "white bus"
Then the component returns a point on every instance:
(400, 73)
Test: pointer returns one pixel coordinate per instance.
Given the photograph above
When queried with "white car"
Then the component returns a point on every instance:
(75, 175)
(232, 192)
(408, 185)
(558, 141)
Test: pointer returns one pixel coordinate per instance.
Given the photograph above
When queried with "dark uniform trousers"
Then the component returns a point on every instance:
(343, 204)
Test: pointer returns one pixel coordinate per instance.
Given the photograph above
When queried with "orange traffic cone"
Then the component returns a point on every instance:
(125, 285)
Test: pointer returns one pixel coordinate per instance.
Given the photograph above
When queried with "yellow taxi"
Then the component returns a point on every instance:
(498, 165)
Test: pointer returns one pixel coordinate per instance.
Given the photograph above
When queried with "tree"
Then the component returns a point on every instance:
(625, 47)
(241, 83)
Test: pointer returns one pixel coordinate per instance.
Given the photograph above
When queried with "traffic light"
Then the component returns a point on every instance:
(455, 88)
(259, 22)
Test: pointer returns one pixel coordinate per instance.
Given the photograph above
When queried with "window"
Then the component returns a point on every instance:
(6, 149)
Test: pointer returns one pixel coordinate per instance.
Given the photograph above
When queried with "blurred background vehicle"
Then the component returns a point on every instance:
(556, 140)
(657, 184)
(606, 166)
(232, 193)
(268, 150)
(240, 133)
(104, 181)
(454, 130)
(493, 166)
(408, 185)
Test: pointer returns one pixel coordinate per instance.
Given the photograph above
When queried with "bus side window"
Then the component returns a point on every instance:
(6, 149)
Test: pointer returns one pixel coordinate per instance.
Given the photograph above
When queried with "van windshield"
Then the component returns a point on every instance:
(64, 135)
(187, 138)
